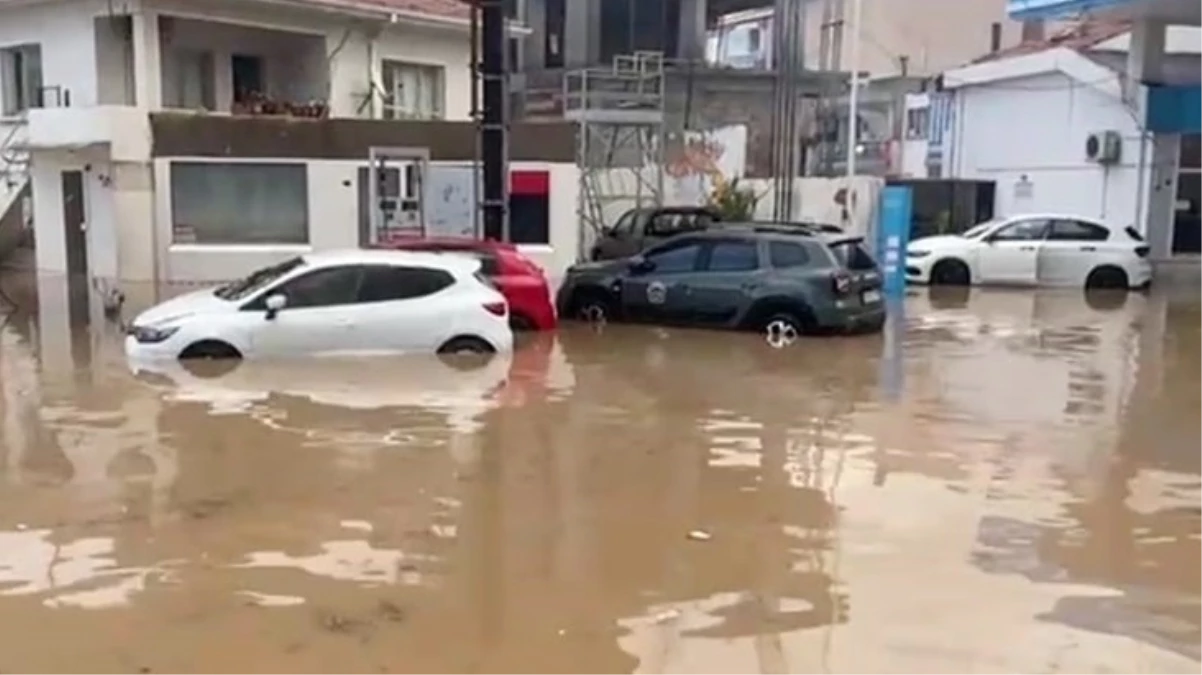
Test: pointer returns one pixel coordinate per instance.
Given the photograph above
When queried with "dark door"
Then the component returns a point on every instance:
(659, 293)
(75, 241)
(73, 223)
(248, 77)
(729, 275)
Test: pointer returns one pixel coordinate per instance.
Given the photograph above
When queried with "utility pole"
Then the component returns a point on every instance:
(492, 72)
(853, 97)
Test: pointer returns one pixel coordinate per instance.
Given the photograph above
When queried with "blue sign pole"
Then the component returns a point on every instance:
(893, 236)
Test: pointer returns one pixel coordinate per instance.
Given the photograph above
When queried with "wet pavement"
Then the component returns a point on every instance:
(1007, 483)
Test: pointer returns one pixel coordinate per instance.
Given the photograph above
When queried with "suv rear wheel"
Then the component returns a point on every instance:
(783, 327)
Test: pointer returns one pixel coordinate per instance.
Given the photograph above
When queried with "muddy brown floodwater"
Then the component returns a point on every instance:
(1010, 484)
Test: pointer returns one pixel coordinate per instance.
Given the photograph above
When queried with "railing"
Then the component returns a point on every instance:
(14, 159)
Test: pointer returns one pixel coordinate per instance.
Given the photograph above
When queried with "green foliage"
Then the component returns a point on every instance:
(733, 202)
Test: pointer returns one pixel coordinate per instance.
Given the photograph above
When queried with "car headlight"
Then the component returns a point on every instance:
(917, 254)
(151, 335)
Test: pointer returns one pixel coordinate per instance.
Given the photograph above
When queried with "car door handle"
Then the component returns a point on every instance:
(1089, 248)
(749, 287)
(1026, 248)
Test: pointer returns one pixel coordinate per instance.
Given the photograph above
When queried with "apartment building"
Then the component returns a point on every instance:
(163, 140)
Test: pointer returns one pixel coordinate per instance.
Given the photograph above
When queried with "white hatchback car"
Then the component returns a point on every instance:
(349, 302)
(1033, 249)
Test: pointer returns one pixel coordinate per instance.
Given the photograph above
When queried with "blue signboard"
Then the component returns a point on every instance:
(893, 234)
(1022, 10)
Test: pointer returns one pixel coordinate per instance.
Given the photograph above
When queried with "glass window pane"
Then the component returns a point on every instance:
(676, 259)
(734, 256)
(239, 203)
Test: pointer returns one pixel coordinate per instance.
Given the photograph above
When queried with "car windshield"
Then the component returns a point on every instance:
(257, 280)
(976, 231)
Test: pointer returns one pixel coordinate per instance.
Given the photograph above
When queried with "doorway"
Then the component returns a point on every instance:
(75, 242)
(247, 77)
(74, 235)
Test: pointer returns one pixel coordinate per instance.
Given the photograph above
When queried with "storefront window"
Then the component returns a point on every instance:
(239, 203)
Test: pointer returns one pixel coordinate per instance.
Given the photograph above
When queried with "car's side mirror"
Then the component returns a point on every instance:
(275, 303)
(641, 265)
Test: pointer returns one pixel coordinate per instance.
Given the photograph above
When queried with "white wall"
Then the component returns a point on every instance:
(46, 169)
(333, 224)
(1037, 127)
(71, 57)
(353, 47)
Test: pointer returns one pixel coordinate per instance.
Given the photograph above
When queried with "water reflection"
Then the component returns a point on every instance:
(1036, 482)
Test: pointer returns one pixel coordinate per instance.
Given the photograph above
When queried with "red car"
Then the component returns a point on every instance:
(519, 279)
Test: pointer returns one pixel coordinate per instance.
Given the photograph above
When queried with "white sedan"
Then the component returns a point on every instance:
(349, 302)
(1033, 249)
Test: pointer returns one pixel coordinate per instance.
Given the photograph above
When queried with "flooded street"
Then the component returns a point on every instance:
(1008, 483)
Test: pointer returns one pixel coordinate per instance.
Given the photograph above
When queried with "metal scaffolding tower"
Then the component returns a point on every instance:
(619, 112)
(826, 115)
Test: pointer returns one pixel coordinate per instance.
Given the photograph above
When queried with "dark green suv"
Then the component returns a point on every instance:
(766, 279)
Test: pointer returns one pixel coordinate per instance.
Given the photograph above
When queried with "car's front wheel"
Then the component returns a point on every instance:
(592, 307)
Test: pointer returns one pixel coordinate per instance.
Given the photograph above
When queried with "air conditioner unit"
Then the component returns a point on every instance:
(1104, 147)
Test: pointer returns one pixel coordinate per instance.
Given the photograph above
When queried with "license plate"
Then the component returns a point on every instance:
(871, 296)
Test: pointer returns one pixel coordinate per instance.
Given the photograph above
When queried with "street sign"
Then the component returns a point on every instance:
(893, 234)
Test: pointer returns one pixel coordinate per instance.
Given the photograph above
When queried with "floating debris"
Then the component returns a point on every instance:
(700, 535)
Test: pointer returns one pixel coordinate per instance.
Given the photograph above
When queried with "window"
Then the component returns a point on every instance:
(853, 256)
(625, 224)
(1076, 230)
(1133, 233)
(21, 78)
(325, 287)
(917, 120)
(239, 203)
(733, 256)
(668, 223)
(679, 258)
(247, 77)
(189, 82)
(383, 283)
(1024, 230)
(784, 255)
(412, 92)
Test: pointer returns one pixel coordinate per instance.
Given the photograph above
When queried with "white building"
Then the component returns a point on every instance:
(1060, 126)
(179, 141)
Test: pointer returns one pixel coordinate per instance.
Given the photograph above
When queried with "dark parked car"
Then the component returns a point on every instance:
(640, 229)
(781, 281)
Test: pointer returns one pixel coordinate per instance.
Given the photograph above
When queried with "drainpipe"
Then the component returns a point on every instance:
(373, 76)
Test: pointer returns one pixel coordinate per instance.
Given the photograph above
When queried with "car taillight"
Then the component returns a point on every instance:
(496, 308)
(1142, 251)
(841, 282)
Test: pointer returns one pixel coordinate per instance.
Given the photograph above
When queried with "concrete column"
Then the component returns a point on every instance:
(582, 33)
(1164, 156)
(148, 62)
(534, 49)
(690, 42)
(1145, 59)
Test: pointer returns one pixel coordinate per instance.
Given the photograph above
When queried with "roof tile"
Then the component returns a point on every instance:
(1081, 36)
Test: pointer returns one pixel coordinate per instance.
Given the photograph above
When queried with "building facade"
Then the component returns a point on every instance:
(1058, 127)
(313, 125)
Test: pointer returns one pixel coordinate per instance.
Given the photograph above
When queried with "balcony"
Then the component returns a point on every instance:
(240, 69)
(124, 129)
